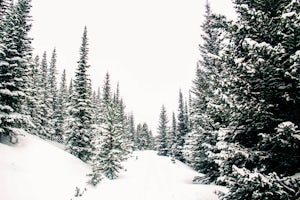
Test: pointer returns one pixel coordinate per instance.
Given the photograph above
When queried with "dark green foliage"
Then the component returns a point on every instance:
(172, 136)
(112, 142)
(163, 130)
(132, 131)
(263, 86)
(265, 81)
(207, 105)
(15, 54)
(61, 109)
(257, 186)
(182, 129)
(80, 138)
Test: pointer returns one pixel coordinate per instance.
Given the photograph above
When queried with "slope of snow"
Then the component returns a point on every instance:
(152, 177)
(38, 170)
(33, 169)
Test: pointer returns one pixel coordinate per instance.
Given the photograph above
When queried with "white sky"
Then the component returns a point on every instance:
(149, 46)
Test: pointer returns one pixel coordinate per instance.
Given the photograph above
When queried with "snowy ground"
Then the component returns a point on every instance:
(37, 170)
(152, 177)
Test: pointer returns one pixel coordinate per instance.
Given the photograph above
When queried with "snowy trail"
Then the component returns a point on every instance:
(152, 177)
(37, 170)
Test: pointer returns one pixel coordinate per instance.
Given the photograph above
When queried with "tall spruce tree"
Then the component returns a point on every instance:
(144, 137)
(35, 100)
(61, 109)
(137, 137)
(4, 9)
(206, 102)
(53, 96)
(182, 129)
(172, 137)
(15, 54)
(108, 144)
(265, 83)
(80, 138)
(45, 105)
(263, 140)
(163, 130)
(69, 111)
(122, 125)
(132, 130)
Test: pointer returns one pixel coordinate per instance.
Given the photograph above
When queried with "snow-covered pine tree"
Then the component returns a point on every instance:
(132, 131)
(206, 103)
(122, 125)
(53, 97)
(144, 138)
(4, 8)
(69, 111)
(80, 138)
(187, 116)
(152, 143)
(35, 100)
(61, 108)
(45, 106)
(108, 144)
(163, 130)
(96, 106)
(15, 54)
(182, 129)
(264, 85)
(172, 136)
(137, 137)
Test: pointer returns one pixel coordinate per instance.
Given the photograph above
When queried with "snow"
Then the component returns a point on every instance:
(149, 176)
(289, 14)
(35, 169)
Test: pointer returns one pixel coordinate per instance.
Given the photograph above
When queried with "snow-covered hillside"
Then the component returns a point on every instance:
(35, 169)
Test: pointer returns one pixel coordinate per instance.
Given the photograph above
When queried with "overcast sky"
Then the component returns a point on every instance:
(149, 46)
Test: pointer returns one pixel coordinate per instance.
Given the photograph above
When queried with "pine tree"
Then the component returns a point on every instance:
(69, 112)
(61, 110)
(163, 130)
(172, 137)
(122, 125)
(207, 104)
(144, 138)
(45, 106)
(53, 97)
(137, 137)
(4, 9)
(182, 129)
(132, 131)
(15, 54)
(108, 145)
(35, 100)
(80, 138)
(264, 85)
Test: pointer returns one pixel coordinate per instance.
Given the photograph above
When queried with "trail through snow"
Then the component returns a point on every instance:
(152, 177)
(38, 170)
